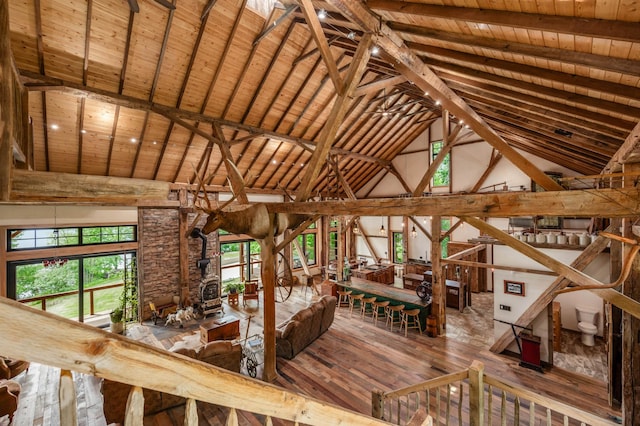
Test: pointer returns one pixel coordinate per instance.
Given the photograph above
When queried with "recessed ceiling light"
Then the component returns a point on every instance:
(274, 161)
(426, 93)
(375, 50)
(83, 131)
(302, 165)
(322, 14)
(55, 127)
(154, 142)
(437, 102)
(134, 140)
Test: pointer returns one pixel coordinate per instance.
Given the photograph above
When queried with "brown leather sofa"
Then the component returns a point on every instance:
(221, 353)
(304, 327)
(10, 368)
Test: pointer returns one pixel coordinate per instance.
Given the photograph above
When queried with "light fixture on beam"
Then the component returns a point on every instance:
(322, 14)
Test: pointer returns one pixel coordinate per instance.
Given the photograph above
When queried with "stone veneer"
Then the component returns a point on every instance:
(159, 256)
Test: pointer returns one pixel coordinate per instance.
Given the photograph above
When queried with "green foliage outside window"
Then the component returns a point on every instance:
(398, 247)
(442, 175)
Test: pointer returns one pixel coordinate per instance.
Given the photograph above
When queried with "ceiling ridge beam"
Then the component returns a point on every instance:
(587, 27)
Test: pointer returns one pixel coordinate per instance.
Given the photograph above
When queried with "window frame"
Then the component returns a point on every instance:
(445, 163)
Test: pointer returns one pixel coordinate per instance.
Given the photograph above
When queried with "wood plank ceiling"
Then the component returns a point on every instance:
(148, 89)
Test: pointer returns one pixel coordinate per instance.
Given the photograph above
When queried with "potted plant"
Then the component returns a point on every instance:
(234, 287)
(117, 326)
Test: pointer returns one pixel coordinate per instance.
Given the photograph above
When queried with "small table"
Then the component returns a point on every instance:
(225, 328)
(232, 298)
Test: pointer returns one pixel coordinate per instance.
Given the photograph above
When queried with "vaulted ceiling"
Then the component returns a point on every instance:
(162, 89)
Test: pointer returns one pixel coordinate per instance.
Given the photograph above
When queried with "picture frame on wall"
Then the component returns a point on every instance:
(514, 287)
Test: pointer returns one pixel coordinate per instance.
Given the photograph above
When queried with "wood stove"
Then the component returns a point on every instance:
(210, 296)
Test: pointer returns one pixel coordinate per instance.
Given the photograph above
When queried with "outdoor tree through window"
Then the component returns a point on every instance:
(442, 175)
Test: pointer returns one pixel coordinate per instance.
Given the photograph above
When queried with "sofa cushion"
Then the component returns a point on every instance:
(329, 303)
(191, 353)
(215, 348)
(223, 354)
(284, 329)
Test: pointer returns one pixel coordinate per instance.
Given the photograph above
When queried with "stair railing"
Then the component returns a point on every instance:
(44, 338)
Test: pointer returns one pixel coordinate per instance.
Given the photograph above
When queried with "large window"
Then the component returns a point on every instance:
(333, 245)
(398, 247)
(240, 261)
(442, 175)
(308, 245)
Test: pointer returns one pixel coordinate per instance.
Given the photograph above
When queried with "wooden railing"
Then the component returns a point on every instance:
(470, 397)
(91, 290)
(47, 339)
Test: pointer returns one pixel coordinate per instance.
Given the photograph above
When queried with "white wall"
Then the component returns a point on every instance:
(536, 284)
(32, 215)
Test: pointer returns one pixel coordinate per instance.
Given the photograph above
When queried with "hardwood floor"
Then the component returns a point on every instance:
(343, 366)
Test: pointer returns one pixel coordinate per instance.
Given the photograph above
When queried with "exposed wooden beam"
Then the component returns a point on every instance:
(493, 162)
(7, 109)
(235, 177)
(587, 27)
(31, 186)
(338, 111)
(628, 305)
(376, 86)
(624, 66)
(290, 9)
(501, 66)
(587, 107)
(321, 42)
(423, 77)
(289, 237)
(367, 242)
(133, 5)
(580, 203)
(499, 267)
(392, 169)
(629, 151)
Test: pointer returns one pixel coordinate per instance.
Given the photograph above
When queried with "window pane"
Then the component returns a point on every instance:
(91, 235)
(310, 249)
(333, 245)
(127, 233)
(398, 250)
(110, 234)
(441, 176)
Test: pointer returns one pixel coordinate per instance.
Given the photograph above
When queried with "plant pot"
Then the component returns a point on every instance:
(117, 327)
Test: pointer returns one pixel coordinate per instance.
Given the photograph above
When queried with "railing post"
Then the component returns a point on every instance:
(476, 394)
(377, 404)
(134, 414)
(67, 396)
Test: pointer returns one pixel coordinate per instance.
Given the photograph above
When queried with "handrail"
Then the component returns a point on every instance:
(477, 380)
(48, 339)
(43, 299)
(545, 401)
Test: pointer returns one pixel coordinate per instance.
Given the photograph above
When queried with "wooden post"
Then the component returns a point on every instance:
(268, 272)
(6, 103)
(438, 295)
(191, 413)
(67, 395)
(377, 404)
(476, 393)
(340, 256)
(630, 326)
(134, 413)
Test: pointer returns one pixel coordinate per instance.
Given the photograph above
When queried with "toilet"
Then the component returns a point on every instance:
(587, 324)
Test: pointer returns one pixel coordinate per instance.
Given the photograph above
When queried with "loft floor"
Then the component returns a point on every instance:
(342, 366)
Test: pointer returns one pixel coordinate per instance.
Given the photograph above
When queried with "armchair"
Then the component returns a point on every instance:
(10, 368)
(250, 292)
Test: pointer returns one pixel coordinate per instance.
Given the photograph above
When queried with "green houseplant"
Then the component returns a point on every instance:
(233, 287)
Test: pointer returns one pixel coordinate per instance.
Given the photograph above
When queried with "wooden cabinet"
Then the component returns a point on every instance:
(225, 328)
(416, 268)
(476, 278)
(379, 273)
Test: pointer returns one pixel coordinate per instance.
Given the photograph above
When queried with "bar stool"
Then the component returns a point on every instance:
(352, 301)
(377, 305)
(392, 311)
(343, 297)
(367, 301)
(414, 316)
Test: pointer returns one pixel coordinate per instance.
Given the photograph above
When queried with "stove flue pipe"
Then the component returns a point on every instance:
(204, 261)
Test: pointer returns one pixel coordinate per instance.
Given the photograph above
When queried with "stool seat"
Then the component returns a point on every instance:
(414, 316)
(392, 311)
(343, 297)
(377, 305)
(353, 298)
(367, 301)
